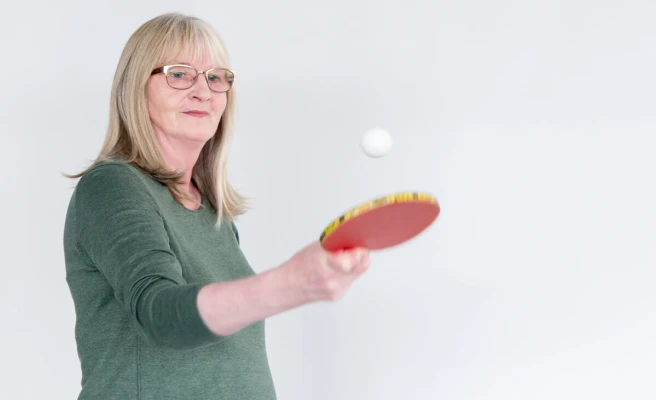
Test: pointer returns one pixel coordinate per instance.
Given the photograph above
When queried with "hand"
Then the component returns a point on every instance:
(323, 275)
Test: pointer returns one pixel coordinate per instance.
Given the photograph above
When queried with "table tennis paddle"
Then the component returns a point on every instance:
(381, 223)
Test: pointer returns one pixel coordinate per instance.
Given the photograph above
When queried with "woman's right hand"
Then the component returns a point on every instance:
(323, 275)
(312, 274)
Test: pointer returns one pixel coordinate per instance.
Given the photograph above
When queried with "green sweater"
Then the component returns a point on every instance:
(135, 261)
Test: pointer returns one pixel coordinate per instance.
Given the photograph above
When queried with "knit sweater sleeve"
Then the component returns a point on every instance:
(122, 232)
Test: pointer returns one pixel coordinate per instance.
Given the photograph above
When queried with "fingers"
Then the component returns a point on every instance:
(350, 261)
(363, 264)
(338, 270)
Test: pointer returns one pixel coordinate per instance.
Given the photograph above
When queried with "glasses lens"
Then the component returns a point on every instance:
(220, 80)
(180, 77)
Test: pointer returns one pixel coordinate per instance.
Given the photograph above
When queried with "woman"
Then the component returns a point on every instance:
(167, 306)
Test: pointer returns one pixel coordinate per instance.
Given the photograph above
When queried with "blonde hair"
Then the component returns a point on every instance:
(130, 132)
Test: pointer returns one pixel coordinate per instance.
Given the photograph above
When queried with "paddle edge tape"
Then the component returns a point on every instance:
(402, 197)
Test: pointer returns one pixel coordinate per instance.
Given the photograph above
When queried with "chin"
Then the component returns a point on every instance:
(201, 136)
(203, 133)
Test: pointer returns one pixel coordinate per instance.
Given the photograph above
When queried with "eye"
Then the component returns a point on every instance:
(177, 74)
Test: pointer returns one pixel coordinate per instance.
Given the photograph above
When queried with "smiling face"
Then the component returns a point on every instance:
(189, 115)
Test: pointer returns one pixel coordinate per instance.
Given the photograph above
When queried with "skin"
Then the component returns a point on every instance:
(310, 275)
(179, 128)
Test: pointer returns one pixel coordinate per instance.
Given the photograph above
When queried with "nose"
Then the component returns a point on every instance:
(201, 88)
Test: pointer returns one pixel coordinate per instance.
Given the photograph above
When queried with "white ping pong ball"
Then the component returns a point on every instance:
(376, 142)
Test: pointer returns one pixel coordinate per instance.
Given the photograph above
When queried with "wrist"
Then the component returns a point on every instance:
(288, 286)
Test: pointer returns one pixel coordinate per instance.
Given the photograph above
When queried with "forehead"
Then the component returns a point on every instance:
(197, 53)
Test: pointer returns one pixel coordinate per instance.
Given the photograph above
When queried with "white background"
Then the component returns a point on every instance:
(532, 122)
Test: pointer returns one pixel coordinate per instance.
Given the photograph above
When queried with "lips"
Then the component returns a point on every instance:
(196, 113)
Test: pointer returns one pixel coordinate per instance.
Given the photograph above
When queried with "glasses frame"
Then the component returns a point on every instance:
(164, 70)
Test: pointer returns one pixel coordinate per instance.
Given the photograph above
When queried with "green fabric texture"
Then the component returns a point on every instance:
(135, 261)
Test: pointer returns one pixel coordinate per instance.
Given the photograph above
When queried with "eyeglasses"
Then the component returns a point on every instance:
(183, 77)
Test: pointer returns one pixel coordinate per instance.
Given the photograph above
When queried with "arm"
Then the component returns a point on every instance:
(310, 275)
(119, 229)
(227, 307)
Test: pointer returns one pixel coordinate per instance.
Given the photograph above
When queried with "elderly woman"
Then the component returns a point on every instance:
(167, 306)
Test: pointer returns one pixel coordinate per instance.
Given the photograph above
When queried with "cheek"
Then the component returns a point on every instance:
(156, 105)
(219, 105)
(157, 114)
(163, 104)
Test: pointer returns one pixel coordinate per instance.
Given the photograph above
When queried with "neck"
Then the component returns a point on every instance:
(181, 155)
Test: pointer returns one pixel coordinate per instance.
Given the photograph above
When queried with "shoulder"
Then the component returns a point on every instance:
(112, 170)
(113, 180)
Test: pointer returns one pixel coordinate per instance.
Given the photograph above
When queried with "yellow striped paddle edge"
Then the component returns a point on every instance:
(402, 197)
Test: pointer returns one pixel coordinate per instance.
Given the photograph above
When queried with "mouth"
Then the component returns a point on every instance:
(196, 113)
